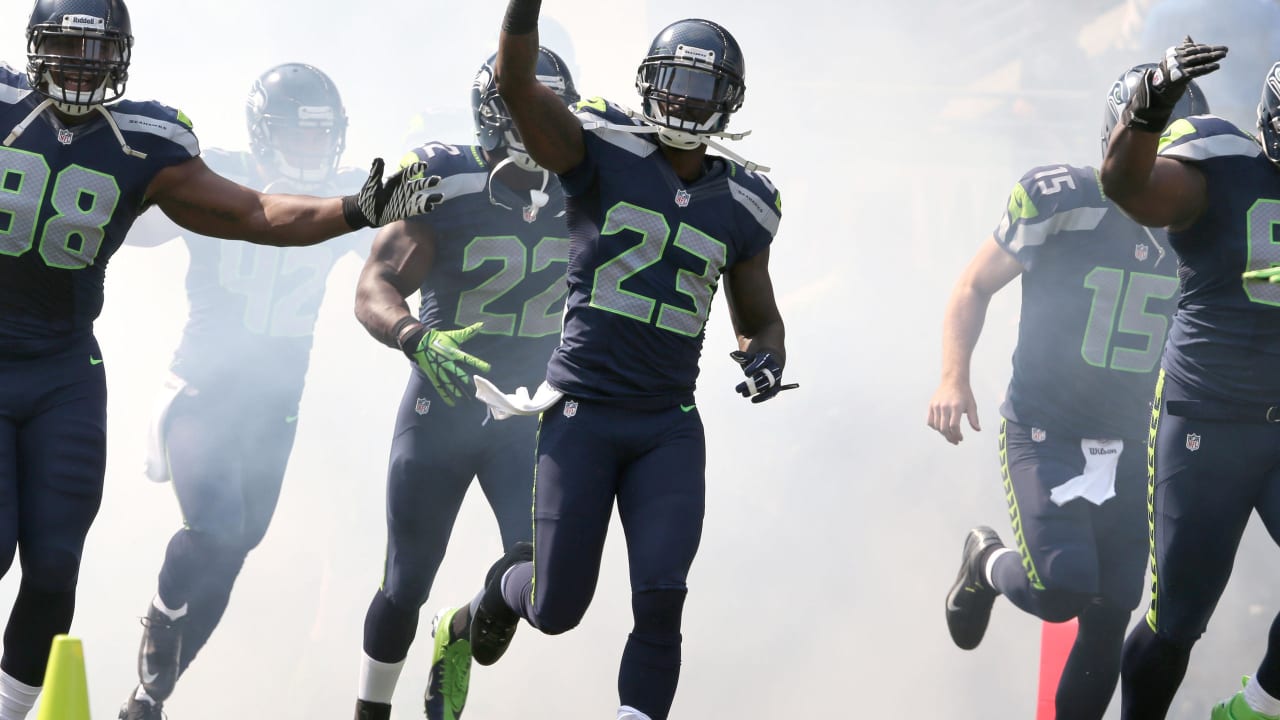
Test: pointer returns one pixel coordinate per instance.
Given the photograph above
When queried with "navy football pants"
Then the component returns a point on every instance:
(226, 452)
(435, 453)
(1208, 477)
(654, 464)
(53, 418)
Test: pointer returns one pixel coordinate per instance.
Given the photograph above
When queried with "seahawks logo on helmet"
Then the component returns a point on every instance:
(494, 127)
(1191, 103)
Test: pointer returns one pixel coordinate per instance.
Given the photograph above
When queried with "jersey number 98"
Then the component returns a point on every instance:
(83, 202)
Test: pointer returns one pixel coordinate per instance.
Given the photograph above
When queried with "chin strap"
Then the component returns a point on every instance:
(39, 108)
(680, 139)
(538, 199)
(22, 126)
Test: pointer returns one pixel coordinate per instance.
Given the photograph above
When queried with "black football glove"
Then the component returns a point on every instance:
(764, 375)
(404, 194)
(1153, 100)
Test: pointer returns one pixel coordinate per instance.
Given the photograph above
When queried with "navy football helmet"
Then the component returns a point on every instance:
(494, 127)
(78, 52)
(1191, 103)
(1269, 114)
(297, 124)
(692, 80)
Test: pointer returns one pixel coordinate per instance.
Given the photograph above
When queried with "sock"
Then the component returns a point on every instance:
(989, 568)
(626, 712)
(378, 680)
(16, 698)
(169, 612)
(1260, 700)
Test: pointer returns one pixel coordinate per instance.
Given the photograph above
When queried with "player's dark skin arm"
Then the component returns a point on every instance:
(1155, 191)
(204, 202)
(551, 133)
(399, 261)
(752, 308)
(990, 270)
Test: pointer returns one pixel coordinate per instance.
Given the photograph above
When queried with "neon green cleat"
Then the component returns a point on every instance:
(1235, 708)
(450, 664)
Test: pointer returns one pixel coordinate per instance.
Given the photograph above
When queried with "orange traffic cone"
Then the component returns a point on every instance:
(66, 691)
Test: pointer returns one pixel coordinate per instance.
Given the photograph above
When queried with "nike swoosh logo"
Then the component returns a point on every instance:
(147, 678)
(687, 408)
(95, 361)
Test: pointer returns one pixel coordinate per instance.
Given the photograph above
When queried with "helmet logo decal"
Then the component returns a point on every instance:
(697, 54)
(83, 22)
(309, 113)
(683, 197)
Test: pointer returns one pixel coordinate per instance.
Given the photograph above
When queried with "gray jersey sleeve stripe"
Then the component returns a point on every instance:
(759, 209)
(455, 186)
(1213, 146)
(172, 131)
(1034, 234)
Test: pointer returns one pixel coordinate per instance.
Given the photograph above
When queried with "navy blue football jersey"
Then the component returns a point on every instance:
(1098, 290)
(498, 260)
(253, 308)
(1225, 339)
(646, 257)
(68, 195)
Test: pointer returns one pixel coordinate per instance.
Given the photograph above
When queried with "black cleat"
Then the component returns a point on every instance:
(494, 623)
(971, 597)
(366, 710)
(158, 654)
(135, 709)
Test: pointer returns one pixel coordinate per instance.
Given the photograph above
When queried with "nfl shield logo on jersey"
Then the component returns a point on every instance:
(422, 406)
(570, 408)
(1193, 442)
(530, 213)
(1140, 251)
(1037, 434)
(64, 136)
(682, 197)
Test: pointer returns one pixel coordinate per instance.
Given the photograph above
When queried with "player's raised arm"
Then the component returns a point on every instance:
(1155, 191)
(202, 201)
(400, 259)
(989, 271)
(552, 135)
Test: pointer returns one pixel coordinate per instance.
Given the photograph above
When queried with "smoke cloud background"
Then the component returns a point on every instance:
(834, 514)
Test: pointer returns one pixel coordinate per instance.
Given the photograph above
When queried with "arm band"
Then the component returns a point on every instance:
(522, 17)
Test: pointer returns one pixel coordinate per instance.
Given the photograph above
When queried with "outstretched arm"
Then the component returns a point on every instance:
(989, 271)
(204, 202)
(552, 135)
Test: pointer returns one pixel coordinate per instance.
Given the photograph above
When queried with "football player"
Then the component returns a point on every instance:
(1097, 293)
(1215, 441)
(656, 222)
(490, 266)
(226, 427)
(75, 173)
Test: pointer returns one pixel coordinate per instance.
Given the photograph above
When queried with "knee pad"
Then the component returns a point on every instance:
(50, 570)
(658, 612)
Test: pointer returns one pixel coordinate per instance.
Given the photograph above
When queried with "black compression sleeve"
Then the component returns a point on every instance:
(522, 17)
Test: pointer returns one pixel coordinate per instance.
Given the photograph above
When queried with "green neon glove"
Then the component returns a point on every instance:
(1271, 274)
(438, 354)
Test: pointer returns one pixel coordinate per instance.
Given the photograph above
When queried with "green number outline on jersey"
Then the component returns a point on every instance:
(1112, 293)
(1264, 251)
(22, 206)
(655, 233)
(537, 318)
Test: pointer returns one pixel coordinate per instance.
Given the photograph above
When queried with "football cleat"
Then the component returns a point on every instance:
(494, 623)
(366, 710)
(158, 654)
(135, 709)
(971, 597)
(446, 694)
(1236, 708)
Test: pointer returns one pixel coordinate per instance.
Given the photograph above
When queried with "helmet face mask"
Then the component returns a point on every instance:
(297, 124)
(79, 59)
(495, 129)
(692, 80)
(1191, 103)
(1269, 114)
